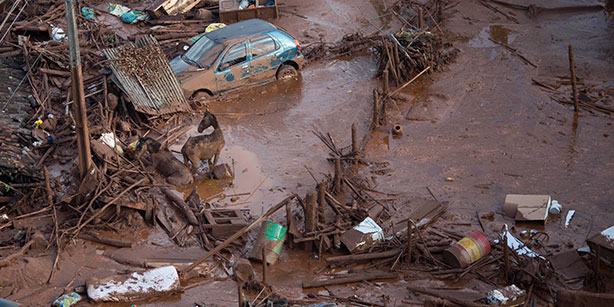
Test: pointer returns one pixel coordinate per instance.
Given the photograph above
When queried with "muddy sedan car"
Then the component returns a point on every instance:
(242, 54)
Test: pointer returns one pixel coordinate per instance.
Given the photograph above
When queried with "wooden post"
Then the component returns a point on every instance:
(83, 135)
(597, 261)
(384, 115)
(420, 18)
(506, 258)
(375, 109)
(354, 140)
(240, 293)
(409, 240)
(310, 217)
(105, 114)
(397, 62)
(338, 175)
(574, 88)
(386, 85)
(289, 221)
(322, 201)
(264, 266)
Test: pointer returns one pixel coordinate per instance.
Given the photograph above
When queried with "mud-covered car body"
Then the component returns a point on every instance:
(242, 54)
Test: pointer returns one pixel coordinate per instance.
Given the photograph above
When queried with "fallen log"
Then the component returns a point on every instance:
(359, 257)
(350, 279)
(55, 72)
(181, 205)
(107, 241)
(444, 296)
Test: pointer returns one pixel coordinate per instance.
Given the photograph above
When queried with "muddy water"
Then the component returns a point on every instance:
(496, 33)
(268, 132)
(495, 133)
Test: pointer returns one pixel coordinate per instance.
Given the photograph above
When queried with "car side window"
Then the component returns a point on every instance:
(234, 56)
(262, 45)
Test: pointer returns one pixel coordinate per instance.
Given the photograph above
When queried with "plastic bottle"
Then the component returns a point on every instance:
(67, 300)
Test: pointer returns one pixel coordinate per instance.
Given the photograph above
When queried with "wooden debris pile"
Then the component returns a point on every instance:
(592, 98)
(418, 44)
(35, 31)
(350, 44)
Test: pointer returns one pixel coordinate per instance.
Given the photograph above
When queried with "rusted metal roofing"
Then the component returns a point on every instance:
(154, 89)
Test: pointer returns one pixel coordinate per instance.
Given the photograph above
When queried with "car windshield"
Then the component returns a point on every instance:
(203, 52)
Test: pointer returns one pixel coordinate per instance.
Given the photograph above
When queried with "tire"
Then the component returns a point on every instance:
(200, 99)
(201, 95)
(286, 72)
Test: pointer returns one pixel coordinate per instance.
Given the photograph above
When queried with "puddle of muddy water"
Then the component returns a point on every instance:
(260, 100)
(496, 33)
(247, 188)
(268, 135)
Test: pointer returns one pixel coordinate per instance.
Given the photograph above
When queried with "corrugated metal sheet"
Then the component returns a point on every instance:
(162, 95)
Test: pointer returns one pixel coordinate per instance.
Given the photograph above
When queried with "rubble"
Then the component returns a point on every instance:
(363, 236)
(508, 296)
(351, 231)
(604, 242)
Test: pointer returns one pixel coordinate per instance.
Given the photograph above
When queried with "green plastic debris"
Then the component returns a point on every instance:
(127, 14)
(87, 12)
(67, 300)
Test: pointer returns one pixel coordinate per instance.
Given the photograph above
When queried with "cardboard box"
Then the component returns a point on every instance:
(527, 208)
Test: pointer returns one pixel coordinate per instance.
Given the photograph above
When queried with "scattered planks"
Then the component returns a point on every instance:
(238, 234)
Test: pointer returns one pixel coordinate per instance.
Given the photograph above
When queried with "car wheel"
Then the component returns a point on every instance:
(199, 98)
(286, 72)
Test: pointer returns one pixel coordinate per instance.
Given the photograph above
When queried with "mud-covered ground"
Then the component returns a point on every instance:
(472, 133)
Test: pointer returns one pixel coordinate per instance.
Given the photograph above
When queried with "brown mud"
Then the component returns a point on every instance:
(472, 133)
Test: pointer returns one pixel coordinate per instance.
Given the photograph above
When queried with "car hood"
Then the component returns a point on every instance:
(179, 65)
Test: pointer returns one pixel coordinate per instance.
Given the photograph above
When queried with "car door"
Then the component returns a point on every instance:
(262, 49)
(233, 70)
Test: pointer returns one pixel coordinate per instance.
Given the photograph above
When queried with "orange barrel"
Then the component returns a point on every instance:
(468, 250)
(271, 237)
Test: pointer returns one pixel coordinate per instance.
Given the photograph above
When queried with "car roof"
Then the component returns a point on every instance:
(240, 29)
